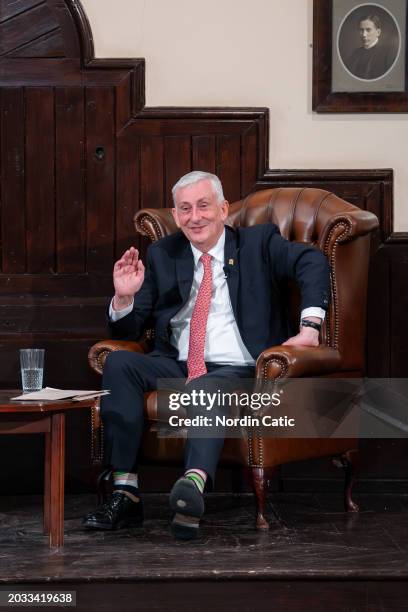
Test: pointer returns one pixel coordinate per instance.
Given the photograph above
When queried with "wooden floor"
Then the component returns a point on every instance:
(319, 558)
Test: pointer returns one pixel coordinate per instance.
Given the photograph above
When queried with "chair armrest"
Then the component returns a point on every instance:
(296, 361)
(348, 225)
(98, 352)
(154, 223)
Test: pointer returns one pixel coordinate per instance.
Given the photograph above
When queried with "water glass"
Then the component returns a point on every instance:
(32, 369)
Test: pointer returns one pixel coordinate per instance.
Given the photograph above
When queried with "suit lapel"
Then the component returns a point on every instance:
(185, 271)
(231, 267)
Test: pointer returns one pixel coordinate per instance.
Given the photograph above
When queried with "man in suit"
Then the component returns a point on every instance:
(215, 296)
(373, 59)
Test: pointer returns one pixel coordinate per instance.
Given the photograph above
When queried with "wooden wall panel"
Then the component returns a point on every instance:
(204, 153)
(50, 44)
(123, 102)
(65, 285)
(26, 26)
(13, 239)
(378, 361)
(81, 312)
(11, 8)
(398, 298)
(40, 179)
(152, 172)
(249, 159)
(127, 192)
(100, 184)
(229, 165)
(177, 162)
(63, 13)
(70, 180)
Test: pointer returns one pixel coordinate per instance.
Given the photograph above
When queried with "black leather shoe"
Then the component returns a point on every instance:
(187, 503)
(119, 511)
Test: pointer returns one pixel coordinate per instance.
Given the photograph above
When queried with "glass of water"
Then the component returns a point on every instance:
(32, 369)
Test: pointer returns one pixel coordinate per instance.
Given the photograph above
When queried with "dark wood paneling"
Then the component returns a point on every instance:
(127, 192)
(197, 126)
(70, 180)
(152, 171)
(25, 27)
(67, 16)
(398, 312)
(116, 72)
(204, 153)
(12, 181)
(229, 165)
(123, 101)
(31, 316)
(40, 166)
(378, 361)
(48, 45)
(65, 285)
(100, 183)
(59, 73)
(177, 162)
(249, 159)
(12, 8)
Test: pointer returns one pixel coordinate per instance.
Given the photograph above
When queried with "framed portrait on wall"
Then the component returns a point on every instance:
(360, 56)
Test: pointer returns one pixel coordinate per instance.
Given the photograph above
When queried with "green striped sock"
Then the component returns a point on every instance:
(127, 483)
(199, 477)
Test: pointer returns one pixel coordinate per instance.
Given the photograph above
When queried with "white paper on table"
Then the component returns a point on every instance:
(49, 393)
(81, 398)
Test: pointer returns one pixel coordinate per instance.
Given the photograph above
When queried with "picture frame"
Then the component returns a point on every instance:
(360, 56)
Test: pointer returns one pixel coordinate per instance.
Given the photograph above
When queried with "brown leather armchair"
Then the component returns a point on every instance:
(342, 232)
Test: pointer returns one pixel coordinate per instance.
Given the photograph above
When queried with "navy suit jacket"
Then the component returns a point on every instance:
(258, 265)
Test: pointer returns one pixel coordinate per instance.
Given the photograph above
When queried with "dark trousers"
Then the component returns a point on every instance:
(128, 376)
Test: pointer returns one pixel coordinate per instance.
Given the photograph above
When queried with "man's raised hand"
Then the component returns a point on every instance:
(128, 277)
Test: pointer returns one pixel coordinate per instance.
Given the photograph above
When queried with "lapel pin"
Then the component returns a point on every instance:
(230, 262)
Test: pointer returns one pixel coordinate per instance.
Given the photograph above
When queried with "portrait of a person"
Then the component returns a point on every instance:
(374, 57)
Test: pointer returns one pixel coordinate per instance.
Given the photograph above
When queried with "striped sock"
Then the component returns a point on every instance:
(126, 483)
(199, 477)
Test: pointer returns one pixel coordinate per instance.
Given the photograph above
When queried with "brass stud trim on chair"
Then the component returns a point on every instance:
(142, 227)
(101, 358)
(96, 433)
(284, 368)
(345, 225)
(283, 364)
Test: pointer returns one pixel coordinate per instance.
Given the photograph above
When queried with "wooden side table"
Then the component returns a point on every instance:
(47, 417)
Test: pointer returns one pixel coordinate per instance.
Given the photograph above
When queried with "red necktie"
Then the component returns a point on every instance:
(198, 324)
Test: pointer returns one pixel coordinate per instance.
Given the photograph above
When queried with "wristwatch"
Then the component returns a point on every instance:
(308, 323)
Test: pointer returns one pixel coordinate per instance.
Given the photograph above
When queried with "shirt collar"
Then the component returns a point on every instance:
(372, 44)
(217, 251)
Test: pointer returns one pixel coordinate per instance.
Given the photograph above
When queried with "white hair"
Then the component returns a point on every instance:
(194, 177)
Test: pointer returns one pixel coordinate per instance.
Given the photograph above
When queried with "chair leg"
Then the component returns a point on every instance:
(349, 462)
(259, 484)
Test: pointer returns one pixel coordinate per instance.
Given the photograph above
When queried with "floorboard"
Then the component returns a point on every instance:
(316, 554)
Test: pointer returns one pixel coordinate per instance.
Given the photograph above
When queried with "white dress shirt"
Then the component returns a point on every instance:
(223, 343)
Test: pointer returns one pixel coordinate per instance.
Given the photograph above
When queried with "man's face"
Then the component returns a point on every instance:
(369, 34)
(198, 214)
